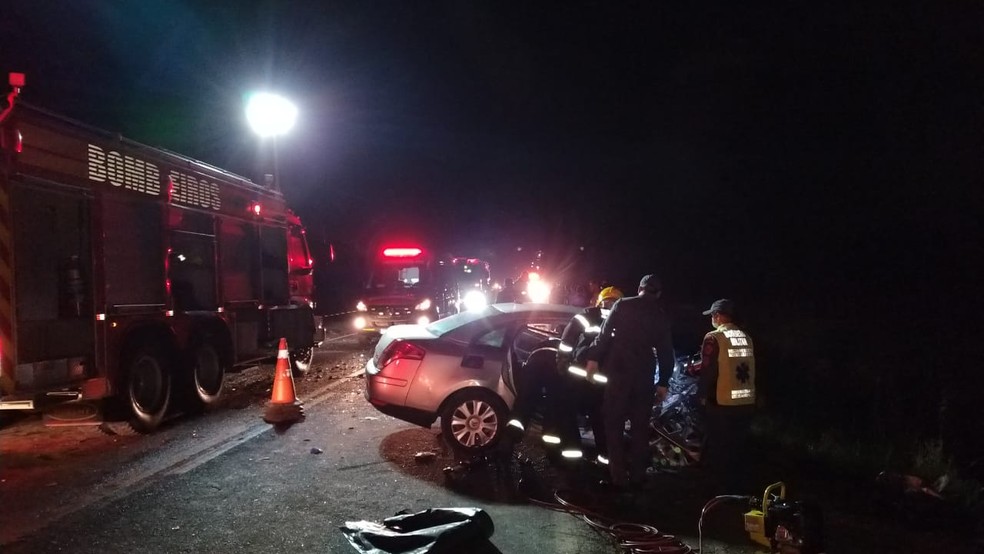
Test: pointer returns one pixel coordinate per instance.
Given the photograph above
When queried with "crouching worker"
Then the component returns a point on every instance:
(582, 396)
(537, 386)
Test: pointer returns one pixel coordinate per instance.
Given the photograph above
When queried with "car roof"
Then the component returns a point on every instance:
(516, 308)
(500, 312)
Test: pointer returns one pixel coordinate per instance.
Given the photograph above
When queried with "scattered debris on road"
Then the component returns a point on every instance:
(425, 457)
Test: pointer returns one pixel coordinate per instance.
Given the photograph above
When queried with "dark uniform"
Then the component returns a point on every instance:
(538, 376)
(634, 336)
(508, 293)
(578, 395)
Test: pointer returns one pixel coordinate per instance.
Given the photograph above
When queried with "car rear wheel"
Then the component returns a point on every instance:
(472, 421)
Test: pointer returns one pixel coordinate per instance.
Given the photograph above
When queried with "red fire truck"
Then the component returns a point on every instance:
(134, 276)
(403, 287)
(300, 267)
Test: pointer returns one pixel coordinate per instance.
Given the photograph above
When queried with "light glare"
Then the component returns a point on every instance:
(538, 291)
(475, 301)
(269, 114)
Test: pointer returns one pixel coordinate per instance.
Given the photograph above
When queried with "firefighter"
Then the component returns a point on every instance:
(546, 370)
(539, 375)
(634, 336)
(580, 395)
(727, 393)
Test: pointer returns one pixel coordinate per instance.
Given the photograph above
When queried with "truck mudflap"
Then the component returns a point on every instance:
(320, 333)
(294, 323)
(90, 389)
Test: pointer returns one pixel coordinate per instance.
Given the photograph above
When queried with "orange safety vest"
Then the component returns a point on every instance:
(736, 366)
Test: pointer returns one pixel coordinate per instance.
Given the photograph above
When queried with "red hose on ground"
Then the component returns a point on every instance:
(634, 538)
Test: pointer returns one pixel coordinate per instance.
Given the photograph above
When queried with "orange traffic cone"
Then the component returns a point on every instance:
(284, 407)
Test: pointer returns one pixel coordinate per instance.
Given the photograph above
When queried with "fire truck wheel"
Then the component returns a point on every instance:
(300, 361)
(148, 388)
(473, 420)
(207, 375)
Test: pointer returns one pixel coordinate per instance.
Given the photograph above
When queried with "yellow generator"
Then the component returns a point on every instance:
(784, 527)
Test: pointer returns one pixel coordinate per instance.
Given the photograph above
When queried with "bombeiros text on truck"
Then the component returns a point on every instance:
(133, 278)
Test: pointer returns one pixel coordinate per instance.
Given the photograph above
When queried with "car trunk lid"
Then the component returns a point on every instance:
(399, 332)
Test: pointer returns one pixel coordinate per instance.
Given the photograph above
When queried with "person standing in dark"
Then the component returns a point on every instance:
(593, 288)
(632, 339)
(726, 390)
(579, 296)
(508, 293)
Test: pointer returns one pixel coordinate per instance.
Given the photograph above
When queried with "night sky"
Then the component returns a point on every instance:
(824, 159)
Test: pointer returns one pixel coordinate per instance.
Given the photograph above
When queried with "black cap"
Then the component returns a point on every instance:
(722, 306)
(650, 283)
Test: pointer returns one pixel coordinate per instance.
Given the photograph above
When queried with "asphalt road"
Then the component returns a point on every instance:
(228, 482)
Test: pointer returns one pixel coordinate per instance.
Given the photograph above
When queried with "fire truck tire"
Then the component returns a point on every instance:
(207, 374)
(148, 387)
(300, 361)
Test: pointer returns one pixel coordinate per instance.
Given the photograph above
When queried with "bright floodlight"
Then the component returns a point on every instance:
(269, 114)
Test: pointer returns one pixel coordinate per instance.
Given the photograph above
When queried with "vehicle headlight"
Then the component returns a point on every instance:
(424, 305)
(538, 292)
(361, 306)
(475, 301)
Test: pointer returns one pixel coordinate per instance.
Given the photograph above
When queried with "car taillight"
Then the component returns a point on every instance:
(401, 350)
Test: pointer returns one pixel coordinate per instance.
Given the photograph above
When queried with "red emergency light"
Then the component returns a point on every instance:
(402, 252)
(255, 208)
